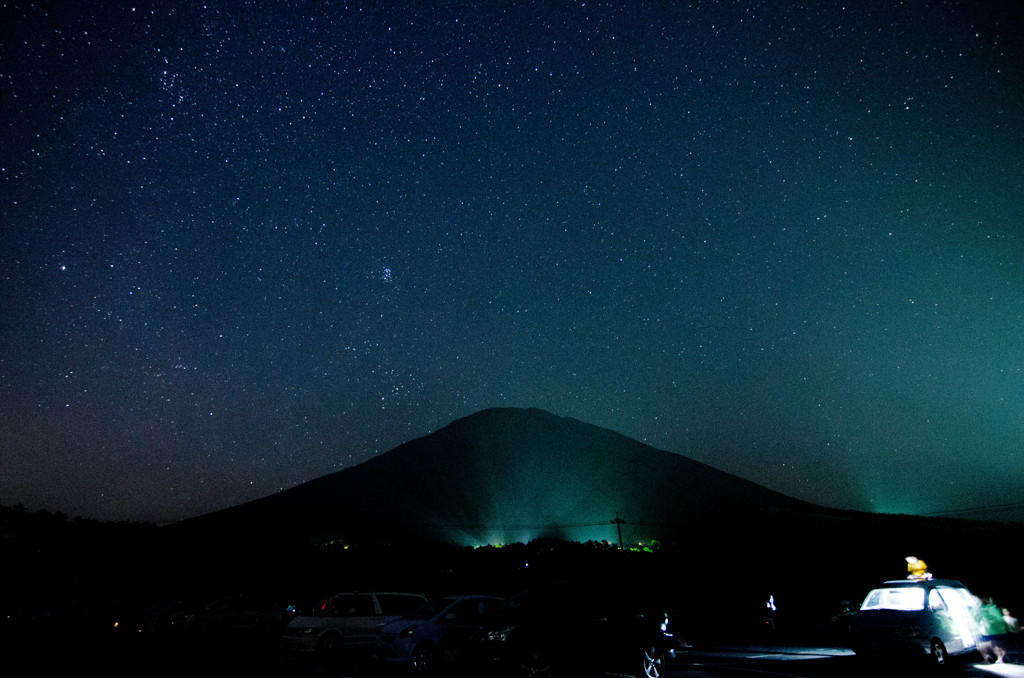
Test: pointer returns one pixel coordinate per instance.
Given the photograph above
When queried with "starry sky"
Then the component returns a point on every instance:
(245, 245)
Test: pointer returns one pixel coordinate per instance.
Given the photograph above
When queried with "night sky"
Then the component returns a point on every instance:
(245, 245)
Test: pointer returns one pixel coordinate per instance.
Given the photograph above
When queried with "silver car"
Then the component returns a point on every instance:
(434, 633)
(933, 617)
(346, 621)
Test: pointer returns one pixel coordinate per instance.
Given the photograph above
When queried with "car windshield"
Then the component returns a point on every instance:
(429, 610)
(907, 598)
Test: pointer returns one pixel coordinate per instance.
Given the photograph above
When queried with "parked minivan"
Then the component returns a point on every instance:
(346, 621)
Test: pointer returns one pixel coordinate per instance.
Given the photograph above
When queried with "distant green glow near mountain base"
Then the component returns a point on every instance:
(895, 507)
(632, 535)
(513, 535)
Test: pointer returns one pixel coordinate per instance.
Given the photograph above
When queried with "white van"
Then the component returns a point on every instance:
(934, 617)
(346, 621)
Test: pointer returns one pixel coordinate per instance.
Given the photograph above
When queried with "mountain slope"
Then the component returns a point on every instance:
(507, 474)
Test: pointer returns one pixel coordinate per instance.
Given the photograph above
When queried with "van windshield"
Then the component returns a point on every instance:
(903, 598)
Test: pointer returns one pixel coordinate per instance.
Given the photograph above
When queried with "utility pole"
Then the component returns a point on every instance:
(618, 523)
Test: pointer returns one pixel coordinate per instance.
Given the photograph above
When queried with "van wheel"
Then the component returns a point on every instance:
(939, 656)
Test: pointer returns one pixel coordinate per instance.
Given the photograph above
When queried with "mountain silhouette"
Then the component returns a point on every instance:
(516, 476)
(507, 475)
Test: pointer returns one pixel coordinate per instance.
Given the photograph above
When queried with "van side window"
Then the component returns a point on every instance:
(935, 601)
(356, 606)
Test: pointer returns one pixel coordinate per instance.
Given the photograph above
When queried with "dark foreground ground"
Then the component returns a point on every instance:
(257, 658)
(132, 601)
(720, 631)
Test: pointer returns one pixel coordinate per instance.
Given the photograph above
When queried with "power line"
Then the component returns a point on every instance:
(978, 510)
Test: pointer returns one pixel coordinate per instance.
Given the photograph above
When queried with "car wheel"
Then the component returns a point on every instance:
(422, 659)
(535, 665)
(652, 662)
(939, 656)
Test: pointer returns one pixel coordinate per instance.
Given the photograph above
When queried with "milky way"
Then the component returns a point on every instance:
(245, 246)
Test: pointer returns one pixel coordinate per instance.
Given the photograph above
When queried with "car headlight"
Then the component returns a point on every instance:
(500, 635)
(407, 631)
